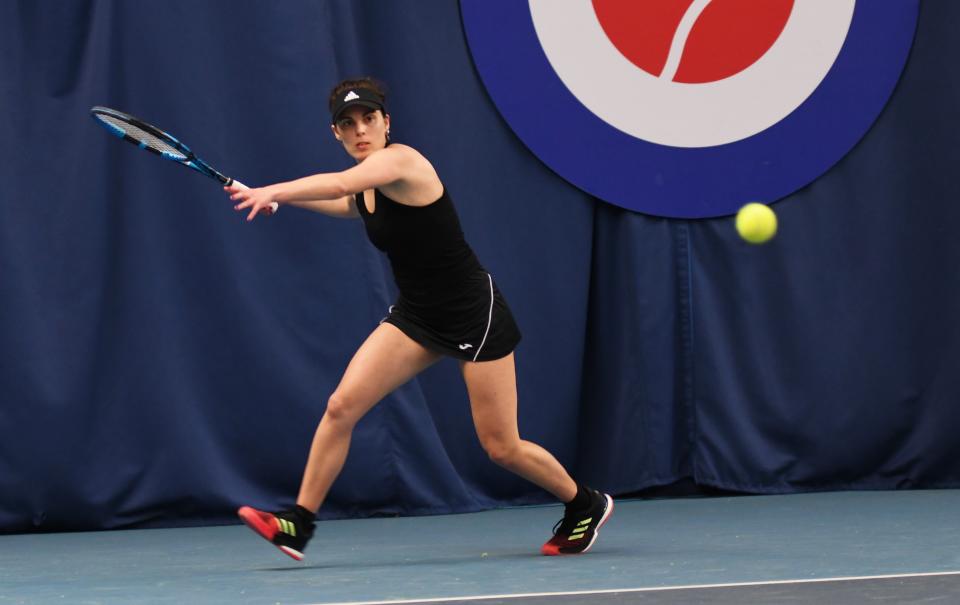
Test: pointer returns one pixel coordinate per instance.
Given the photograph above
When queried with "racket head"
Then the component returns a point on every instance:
(150, 138)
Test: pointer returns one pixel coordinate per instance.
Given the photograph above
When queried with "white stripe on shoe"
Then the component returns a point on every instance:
(296, 554)
(606, 515)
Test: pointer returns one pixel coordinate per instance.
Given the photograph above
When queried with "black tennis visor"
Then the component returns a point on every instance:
(356, 96)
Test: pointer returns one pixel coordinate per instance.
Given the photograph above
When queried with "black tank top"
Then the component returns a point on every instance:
(430, 258)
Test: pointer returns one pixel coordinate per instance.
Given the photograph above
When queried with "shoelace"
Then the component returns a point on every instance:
(565, 525)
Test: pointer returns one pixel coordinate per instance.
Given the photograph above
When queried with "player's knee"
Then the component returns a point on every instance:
(342, 409)
(503, 452)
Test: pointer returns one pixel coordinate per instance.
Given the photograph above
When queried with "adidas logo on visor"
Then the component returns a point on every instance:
(351, 96)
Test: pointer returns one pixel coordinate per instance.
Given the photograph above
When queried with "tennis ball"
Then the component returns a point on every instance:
(756, 223)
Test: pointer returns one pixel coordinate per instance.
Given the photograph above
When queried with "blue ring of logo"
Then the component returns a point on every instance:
(688, 182)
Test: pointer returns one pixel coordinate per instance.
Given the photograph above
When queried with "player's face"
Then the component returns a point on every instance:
(362, 131)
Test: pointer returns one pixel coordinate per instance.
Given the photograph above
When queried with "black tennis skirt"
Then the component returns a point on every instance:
(475, 324)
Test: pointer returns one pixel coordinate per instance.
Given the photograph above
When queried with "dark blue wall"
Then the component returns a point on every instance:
(162, 361)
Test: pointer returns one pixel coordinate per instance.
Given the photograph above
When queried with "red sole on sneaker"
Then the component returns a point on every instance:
(254, 519)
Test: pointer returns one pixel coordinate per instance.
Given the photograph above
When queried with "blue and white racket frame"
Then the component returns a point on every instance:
(126, 127)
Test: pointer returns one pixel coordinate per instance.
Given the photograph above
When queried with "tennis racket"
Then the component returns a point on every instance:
(149, 137)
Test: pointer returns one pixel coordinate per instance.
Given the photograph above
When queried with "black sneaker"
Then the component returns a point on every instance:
(577, 531)
(286, 530)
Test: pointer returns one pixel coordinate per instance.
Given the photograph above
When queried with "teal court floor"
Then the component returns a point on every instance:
(843, 547)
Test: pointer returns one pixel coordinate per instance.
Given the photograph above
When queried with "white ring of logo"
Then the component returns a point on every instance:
(691, 115)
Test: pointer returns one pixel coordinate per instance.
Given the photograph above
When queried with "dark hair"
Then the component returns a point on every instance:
(366, 82)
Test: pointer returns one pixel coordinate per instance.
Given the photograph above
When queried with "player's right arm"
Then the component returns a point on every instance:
(343, 207)
(381, 168)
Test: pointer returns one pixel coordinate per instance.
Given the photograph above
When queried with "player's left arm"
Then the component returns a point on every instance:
(381, 168)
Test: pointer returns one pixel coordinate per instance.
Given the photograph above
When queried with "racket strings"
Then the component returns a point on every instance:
(144, 137)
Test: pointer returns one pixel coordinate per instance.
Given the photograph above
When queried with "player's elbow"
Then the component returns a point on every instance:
(338, 189)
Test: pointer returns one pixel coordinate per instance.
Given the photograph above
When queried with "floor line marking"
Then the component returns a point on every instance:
(646, 589)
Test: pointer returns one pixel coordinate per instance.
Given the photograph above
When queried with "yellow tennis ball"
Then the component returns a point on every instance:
(756, 223)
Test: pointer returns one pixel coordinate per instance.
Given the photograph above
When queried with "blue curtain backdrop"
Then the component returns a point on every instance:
(162, 361)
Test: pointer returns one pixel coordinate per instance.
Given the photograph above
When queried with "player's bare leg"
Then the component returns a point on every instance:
(386, 360)
(492, 386)
(493, 400)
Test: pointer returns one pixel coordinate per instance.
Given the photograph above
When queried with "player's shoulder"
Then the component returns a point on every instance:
(414, 172)
(407, 156)
(400, 149)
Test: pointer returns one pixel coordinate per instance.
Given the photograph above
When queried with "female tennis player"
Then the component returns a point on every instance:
(448, 305)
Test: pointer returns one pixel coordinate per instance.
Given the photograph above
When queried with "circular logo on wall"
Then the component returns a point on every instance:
(690, 108)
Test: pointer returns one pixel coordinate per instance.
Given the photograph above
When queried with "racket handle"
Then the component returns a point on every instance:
(273, 205)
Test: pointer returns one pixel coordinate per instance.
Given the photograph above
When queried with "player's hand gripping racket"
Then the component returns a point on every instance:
(149, 137)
